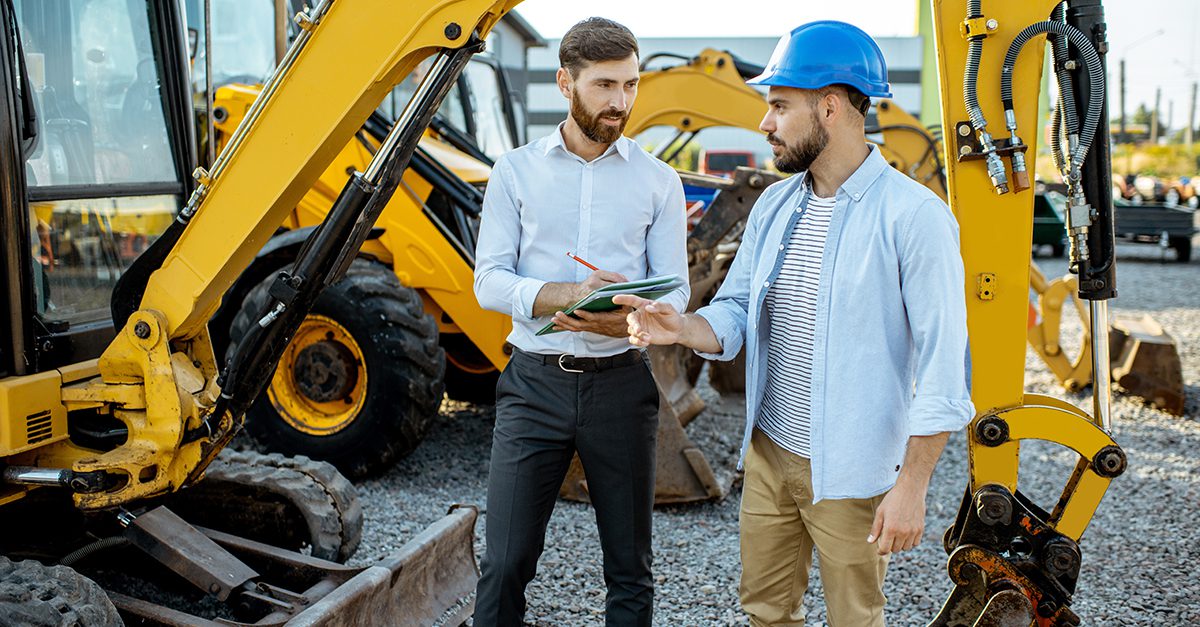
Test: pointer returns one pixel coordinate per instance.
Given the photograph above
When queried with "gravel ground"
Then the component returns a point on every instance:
(1138, 552)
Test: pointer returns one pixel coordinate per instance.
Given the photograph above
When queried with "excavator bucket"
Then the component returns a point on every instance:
(1145, 358)
(683, 473)
(1146, 363)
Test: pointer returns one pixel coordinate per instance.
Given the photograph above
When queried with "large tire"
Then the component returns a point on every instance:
(360, 382)
(35, 595)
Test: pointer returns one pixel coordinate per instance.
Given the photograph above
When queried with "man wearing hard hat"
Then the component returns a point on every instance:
(847, 293)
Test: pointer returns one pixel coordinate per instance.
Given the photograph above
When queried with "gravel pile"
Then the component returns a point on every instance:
(1138, 554)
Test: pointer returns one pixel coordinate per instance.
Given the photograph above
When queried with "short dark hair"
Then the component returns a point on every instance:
(592, 40)
(858, 100)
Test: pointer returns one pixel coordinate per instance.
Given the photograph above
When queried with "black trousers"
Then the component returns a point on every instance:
(543, 416)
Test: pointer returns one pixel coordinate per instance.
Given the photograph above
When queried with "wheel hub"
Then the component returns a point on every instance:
(326, 371)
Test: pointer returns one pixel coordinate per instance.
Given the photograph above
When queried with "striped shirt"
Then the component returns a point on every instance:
(785, 411)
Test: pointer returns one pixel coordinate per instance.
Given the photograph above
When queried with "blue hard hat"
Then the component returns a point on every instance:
(819, 54)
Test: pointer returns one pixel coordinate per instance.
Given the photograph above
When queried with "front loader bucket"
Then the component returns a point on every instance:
(1145, 362)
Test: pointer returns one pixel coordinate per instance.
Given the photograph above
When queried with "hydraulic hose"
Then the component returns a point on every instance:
(971, 74)
(1056, 124)
(95, 547)
(995, 166)
(1066, 88)
(1095, 70)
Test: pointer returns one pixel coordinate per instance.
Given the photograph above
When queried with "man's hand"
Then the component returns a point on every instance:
(900, 517)
(599, 279)
(651, 322)
(558, 296)
(610, 323)
(899, 520)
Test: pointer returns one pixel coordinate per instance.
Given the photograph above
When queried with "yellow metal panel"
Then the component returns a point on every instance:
(424, 259)
(80, 371)
(29, 406)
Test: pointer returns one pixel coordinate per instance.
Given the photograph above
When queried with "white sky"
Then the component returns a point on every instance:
(1170, 60)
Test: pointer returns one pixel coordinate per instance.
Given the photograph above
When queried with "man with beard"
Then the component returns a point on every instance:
(584, 189)
(847, 292)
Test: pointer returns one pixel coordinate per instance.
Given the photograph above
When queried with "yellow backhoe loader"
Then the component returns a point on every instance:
(114, 411)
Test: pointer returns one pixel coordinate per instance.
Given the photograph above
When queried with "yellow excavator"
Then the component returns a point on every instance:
(114, 410)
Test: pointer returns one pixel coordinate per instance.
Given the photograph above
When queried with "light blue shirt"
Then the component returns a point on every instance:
(890, 358)
(623, 212)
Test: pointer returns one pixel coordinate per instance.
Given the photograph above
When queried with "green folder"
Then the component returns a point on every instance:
(601, 299)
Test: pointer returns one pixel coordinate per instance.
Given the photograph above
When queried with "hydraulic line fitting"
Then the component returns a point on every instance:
(1020, 174)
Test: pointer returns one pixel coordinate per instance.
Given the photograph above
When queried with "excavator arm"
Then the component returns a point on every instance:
(708, 91)
(159, 376)
(1012, 561)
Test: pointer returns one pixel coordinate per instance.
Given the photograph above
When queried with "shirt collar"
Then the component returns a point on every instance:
(555, 140)
(866, 174)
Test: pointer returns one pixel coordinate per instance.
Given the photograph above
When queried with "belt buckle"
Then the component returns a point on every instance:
(563, 367)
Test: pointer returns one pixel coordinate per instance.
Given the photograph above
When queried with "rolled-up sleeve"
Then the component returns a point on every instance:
(666, 242)
(932, 284)
(498, 287)
(728, 312)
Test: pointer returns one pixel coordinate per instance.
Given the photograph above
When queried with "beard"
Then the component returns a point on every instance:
(800, 157)
(592, 126)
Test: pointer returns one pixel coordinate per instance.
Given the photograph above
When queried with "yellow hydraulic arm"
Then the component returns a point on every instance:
(1012, 562)
(159, 375)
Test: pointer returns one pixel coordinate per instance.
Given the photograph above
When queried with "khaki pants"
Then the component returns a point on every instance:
(780, 525)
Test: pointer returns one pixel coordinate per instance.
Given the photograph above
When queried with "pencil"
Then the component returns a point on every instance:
(572, 256)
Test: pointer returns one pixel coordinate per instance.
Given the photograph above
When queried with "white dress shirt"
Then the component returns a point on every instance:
(622, 212)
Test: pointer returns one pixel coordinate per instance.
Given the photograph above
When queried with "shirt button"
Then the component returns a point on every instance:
(766, 284)
(781, 247)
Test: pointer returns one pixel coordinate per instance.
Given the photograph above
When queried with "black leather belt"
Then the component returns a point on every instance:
(571, 363)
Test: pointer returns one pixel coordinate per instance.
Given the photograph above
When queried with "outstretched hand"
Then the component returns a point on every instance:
(651, 322)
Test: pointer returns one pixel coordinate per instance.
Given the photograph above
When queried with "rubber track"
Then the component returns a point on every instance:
(326, 499)
(35, 595)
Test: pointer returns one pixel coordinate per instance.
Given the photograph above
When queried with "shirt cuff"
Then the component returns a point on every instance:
(726, 328)
(524, 294)
(930, 415)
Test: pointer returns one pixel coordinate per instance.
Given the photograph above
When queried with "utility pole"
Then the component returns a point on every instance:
(1170, 126)
(1123, 136)
(1191, 119)
(1154, 116)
